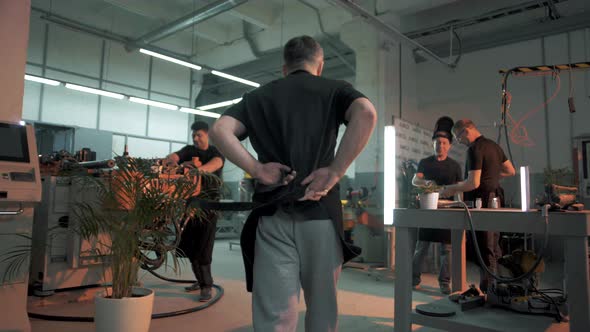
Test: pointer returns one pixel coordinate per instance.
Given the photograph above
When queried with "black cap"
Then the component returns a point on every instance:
(443, 127)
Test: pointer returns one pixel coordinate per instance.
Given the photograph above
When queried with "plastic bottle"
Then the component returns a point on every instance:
(478, 203)
(495, 203)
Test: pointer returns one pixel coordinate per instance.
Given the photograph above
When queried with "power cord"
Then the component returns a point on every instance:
(544, 213)
(218, 294)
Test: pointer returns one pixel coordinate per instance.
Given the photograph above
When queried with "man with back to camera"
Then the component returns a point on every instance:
(292, 124)
(486, 164)
(198, 236)
(438, 169)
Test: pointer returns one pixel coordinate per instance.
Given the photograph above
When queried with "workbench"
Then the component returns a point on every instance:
(573, 227)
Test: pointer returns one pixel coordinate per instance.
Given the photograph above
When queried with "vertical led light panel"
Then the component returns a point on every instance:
(525, 192)
(389, 174)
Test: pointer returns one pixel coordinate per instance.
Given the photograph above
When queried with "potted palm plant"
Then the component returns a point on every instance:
(134, 220)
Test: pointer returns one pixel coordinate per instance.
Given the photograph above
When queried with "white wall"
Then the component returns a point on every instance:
(473, 91)
(67, 55)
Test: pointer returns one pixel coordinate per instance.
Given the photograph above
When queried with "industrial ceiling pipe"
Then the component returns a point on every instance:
(376, 22)
(189, 20)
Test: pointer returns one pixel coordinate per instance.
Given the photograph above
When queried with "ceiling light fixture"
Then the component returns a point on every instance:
(153, 103)
(199, 112)
(41, 80)
(171, 59)
(234, 78)
(218, 105)
(94, 91)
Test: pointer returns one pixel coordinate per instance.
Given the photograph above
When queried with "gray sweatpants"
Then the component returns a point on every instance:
(291, 253)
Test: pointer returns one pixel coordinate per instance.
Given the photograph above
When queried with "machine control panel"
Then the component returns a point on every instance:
(22, 176)
(20, 180)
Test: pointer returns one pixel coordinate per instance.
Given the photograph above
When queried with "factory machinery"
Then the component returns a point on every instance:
(61, 258)
(20, 190)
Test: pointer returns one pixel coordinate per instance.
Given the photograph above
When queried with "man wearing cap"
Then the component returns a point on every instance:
(486, 164)
(438, 169)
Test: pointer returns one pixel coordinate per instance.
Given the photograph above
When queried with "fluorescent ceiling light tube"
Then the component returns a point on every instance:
(198, 112)
(171, 59)
(389, 170)
(153, 103)
(94, 91)
(525, 193)
(235, 78)
(218, 105)
(41, 80)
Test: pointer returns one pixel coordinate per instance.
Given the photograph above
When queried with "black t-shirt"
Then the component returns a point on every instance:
(487, 156)
(443, 172)
(190, 151)
(294, 121)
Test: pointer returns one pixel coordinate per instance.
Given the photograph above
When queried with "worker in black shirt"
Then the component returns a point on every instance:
(486, 164)
(438, 169)
(293, 124)
(198, 235)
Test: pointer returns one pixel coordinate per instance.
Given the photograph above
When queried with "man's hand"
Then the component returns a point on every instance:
(319, 183)
(447, 192)
(170, 163)
(273, 174)
(188, 164)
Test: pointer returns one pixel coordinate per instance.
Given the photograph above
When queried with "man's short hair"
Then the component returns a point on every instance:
(463, 123)
(200, 125)
(301, 50)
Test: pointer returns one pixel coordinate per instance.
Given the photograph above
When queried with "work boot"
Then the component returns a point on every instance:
(197, 271)
(192, 287)
(206, 283)
(205, 295)
(445, 289)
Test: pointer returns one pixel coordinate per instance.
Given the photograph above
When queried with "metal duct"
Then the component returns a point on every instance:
(184, 22)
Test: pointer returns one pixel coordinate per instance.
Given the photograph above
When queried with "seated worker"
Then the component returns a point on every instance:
(198, 235)
(438, 169)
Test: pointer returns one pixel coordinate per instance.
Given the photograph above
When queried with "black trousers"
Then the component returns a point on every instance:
(198, 238)
(488, 244)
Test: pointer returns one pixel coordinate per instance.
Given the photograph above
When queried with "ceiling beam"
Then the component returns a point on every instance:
(517, 34)
(260, 13)
(390, 30)
(197, 16)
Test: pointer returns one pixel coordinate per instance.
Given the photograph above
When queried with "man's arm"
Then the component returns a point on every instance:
(472, 182)
(507, 169)
(225, 133)
(419, 181)
(362, 117)
(213, 165)
(172, 159)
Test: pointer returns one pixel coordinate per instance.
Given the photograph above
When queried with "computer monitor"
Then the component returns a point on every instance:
(14, 145)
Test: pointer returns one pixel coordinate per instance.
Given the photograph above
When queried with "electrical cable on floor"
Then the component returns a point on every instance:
(543, 293)
(541, 254)
(218, 294)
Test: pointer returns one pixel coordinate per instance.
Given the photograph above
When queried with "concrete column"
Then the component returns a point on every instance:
(14, 37)
(375, 74)
(385, 73)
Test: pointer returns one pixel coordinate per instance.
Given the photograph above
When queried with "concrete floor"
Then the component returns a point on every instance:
(365, 301)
